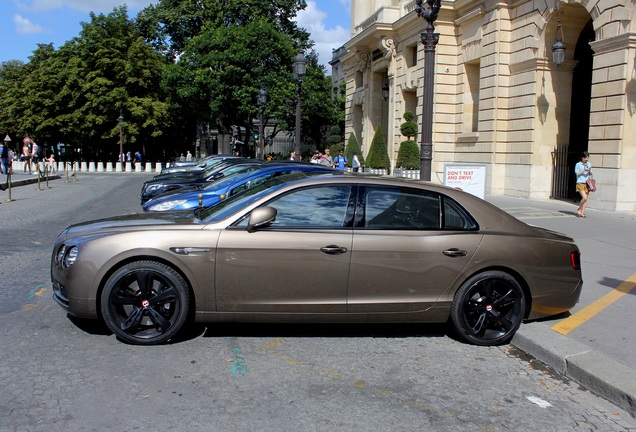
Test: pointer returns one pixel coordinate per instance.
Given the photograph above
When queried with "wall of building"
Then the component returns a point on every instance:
(498, 98)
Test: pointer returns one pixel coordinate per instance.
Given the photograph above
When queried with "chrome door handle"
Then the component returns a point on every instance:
(333, 250)
(454, 252)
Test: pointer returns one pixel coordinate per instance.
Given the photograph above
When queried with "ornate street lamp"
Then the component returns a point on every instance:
(429, 39)
(261, 100)
(385, 92)
(120, 119)
(300, 67)
(558, 49)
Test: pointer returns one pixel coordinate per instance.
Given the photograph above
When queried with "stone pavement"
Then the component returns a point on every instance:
(598, 350)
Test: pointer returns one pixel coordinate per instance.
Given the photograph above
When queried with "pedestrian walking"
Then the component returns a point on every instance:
(4, 157)
(26, 153)
(326, 158)
(51, 164)
(583, 171)
(355, 164)
(188, 156)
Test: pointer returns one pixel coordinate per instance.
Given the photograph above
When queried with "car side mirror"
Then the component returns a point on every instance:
(260, 217)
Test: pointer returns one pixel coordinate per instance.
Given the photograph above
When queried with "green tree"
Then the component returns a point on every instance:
(378, 156)
(409, 153)
(409, 128)
(352, 145)
(12, 75)
(171, 24)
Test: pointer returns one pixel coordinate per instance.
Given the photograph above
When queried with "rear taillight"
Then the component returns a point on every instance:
(575, 259)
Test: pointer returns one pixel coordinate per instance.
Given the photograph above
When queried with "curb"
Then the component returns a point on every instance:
(597, 372)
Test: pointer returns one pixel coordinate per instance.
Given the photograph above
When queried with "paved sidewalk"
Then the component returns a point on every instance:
(599, 347)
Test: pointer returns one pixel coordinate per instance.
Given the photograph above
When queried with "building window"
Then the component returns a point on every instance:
(410, 55)
(359, 79)
(471, 97)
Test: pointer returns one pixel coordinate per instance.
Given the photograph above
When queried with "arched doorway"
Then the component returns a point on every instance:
(566, 156)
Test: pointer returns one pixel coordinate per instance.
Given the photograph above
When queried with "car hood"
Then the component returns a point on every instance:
(135, 222)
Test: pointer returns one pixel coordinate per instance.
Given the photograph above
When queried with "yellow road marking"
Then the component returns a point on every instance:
(575, 320)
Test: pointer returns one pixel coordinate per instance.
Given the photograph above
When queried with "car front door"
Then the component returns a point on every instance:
(298, 264)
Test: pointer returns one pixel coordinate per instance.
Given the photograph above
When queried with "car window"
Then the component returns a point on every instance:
(312, 207)
(393, 208)
(319, 207)
(456, 218)
(412, 209)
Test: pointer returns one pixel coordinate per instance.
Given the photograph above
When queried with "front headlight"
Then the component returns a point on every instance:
(152, 188)
(165, 206)
(66, 256)
(70, 257)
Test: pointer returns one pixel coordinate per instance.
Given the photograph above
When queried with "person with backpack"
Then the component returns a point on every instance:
(340, 161)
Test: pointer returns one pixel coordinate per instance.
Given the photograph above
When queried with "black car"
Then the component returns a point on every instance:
(195, 166)
(164, 183)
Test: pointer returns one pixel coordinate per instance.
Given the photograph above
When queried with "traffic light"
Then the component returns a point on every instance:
(255, 136)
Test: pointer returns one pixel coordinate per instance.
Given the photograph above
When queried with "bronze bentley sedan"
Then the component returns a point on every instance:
(318, 248)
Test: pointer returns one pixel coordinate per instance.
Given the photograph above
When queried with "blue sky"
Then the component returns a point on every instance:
(26, 23)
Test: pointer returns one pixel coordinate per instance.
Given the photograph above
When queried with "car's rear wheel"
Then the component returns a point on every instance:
(145, 302)
(488, 308)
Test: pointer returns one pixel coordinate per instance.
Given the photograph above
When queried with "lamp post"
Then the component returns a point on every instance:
(120, 119)
(429, 39)
(300, 67)
(558, 49)
(261, 101)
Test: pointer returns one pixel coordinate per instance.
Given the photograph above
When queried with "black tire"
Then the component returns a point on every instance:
(488, 308)
(145, 303)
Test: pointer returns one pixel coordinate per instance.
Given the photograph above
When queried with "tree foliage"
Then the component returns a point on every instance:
(409, 128)
(76, 94)
(378, 156)
(408, 155)
(179, 64)
(352, 145)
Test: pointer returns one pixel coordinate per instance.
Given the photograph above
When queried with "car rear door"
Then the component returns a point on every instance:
(408, 248)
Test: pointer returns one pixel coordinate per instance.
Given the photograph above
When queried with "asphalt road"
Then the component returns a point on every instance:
(60, 374)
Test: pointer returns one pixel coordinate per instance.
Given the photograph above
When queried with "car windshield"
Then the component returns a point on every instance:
(231, 175)
(234, 203)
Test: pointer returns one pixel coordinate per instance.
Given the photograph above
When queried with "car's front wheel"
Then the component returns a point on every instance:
(145, 302)
(488, 308)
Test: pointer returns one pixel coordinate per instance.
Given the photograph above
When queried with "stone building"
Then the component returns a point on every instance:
(499, 99)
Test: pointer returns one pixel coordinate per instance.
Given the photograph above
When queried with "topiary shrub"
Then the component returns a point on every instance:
(352, 145)
(408, 155)
(409, 128)
(378, 156)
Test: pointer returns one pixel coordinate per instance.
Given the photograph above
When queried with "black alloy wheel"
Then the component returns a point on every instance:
(488, 308)
(145, 303)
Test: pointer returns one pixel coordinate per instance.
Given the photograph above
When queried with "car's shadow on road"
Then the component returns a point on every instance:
(289, 330)
(320, 330)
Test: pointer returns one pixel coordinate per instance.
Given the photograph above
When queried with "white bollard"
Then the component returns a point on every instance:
(158, 167)
(83, 167)
(109, 167)
(91, 167)
(148, 166)
(99, 167)
(128, 166)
